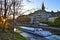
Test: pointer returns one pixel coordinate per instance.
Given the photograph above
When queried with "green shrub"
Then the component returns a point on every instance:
(57, 21)
(45, 22)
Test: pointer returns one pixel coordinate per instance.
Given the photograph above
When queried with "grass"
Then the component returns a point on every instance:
(8, 36)
(19, 37)
(51, 23)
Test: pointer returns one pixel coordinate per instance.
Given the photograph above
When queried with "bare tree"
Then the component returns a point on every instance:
(1, 7)
(11, 7)
(15, 4)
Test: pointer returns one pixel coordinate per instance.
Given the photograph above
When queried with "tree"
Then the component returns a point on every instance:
(23, 19)
(14, 8)
(10, 8)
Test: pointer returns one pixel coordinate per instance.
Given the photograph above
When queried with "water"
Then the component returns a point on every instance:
(35, 37)
(31, 36)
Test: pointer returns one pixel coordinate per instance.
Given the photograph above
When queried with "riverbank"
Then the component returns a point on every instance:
(8, 36)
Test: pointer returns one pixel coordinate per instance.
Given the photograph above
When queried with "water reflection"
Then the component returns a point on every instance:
(32, 37)
(35, 37)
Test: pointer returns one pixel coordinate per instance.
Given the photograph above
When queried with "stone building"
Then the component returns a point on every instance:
(41, 14)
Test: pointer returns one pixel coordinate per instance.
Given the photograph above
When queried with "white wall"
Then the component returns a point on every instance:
(51, 19)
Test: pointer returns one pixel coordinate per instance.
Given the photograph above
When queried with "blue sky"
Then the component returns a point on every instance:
(49, 4)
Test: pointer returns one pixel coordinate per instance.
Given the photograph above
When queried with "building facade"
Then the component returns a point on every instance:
(40, 14)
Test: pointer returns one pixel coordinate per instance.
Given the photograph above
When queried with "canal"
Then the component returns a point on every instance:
(30, 36)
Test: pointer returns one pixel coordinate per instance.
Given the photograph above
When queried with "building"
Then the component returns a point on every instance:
(51, 19)
(41, 14)
(55, 14)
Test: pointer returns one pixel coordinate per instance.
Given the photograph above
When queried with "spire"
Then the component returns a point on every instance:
(43, 7)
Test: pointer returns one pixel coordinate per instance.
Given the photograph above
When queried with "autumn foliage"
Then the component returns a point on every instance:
(7, 25)
(23, 19)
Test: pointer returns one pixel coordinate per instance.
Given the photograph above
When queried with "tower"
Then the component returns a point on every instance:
(43, 7)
